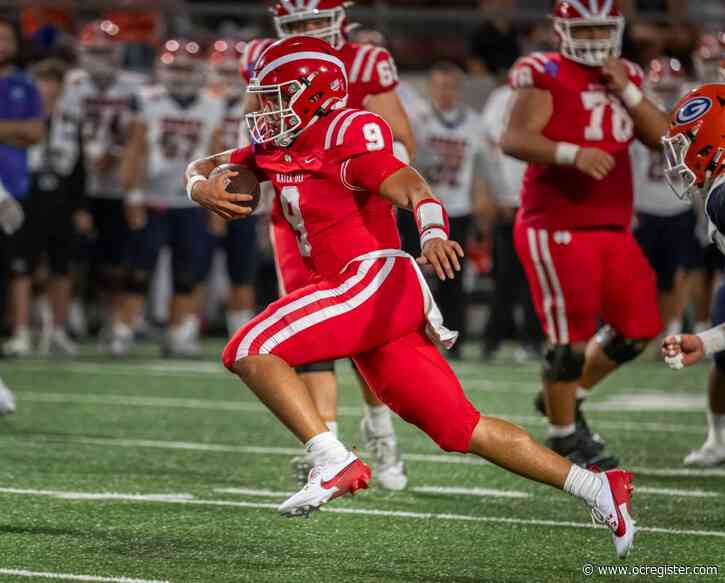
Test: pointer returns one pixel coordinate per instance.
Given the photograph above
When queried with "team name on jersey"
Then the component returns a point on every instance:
(296, 178)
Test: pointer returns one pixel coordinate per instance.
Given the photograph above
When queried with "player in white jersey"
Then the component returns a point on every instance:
(175, 122)
(660, 216)
(695, 167)
(449, 138)
(504, 175)
(102, 95)
(237, 238)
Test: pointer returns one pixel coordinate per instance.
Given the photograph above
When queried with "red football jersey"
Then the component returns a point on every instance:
(327, 187)
(370, 70)
(586, 114)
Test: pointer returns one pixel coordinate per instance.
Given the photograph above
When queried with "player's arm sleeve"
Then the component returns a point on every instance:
(532, 72)
(715, 207)
(245, 157)
(369, 145)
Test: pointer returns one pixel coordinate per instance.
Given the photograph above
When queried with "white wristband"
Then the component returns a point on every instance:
(566, 153)
(190, 184)
(631, 96)
(433, 233)
(713, 339)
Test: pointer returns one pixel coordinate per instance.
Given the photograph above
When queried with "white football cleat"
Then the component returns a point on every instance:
(7, 400)
(707, 456)
(327, 482)
(19, 344)
(389, 468)
(613, 507)
(120, 341)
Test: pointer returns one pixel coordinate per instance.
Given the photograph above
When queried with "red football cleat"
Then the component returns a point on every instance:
(613, 507)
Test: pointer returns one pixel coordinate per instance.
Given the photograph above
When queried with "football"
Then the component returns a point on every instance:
(245, 182)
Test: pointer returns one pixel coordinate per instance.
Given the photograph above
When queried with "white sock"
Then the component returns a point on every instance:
(716, 430)
(380, 420)
(325, 448)
(332, 426)
(583, 484)
(561, 430)
(237, 318)
(581, 393)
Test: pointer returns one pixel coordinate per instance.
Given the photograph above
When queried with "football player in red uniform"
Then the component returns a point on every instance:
(574, 115)
(372, 82)
(337, 181)
(695, 168)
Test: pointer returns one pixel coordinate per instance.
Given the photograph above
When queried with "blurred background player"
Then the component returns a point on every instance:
(21, 126)
(372, 78)
(237, 238)
(101, 94)
(574, 116)
(54, 208)
(176, 120)
(695, 168)
(448, 138)
(661, 217)
(504, 175)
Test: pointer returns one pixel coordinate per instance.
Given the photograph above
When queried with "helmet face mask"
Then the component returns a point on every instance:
(592, 52)
(276, 121)
(224, 60)
(325, 24)
(681, 179)
(100, 60)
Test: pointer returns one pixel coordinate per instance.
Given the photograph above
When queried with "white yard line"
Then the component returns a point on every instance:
(675, 492)
(681, 472)
(481, 492)
(69, 577)
(449, 458)
(251, 407)
(369, 512)
(253, 492)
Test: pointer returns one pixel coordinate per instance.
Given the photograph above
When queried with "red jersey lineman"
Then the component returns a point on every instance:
(574, 116)
(335, 175)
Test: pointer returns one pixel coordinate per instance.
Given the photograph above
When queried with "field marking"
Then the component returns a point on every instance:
(681, 472)
(253, 492)
(448, 458)
(247, 407)
(69, 577)
(480, 492)
(372, 512)
(650, 401)
(675, 492)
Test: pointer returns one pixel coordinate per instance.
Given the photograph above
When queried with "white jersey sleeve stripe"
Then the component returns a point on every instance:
(332, 126)
(368, 74)
(346, 124)
(357, 63)
(533, 63)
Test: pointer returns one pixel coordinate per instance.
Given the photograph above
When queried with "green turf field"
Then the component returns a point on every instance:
(161, 470)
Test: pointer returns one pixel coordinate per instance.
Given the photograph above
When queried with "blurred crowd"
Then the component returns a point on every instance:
(103, 254)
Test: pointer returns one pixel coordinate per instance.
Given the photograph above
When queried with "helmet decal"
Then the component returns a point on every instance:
(693, 110)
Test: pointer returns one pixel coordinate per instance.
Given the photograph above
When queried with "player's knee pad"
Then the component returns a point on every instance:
(620, 349)
(324, 366)
(563, 364)
(137, 282)
(184, 282)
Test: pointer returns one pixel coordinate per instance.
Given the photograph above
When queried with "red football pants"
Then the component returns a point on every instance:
(578, 277)
(373, 311)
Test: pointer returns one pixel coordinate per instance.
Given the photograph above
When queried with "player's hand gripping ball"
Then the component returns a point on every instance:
(239, 180)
